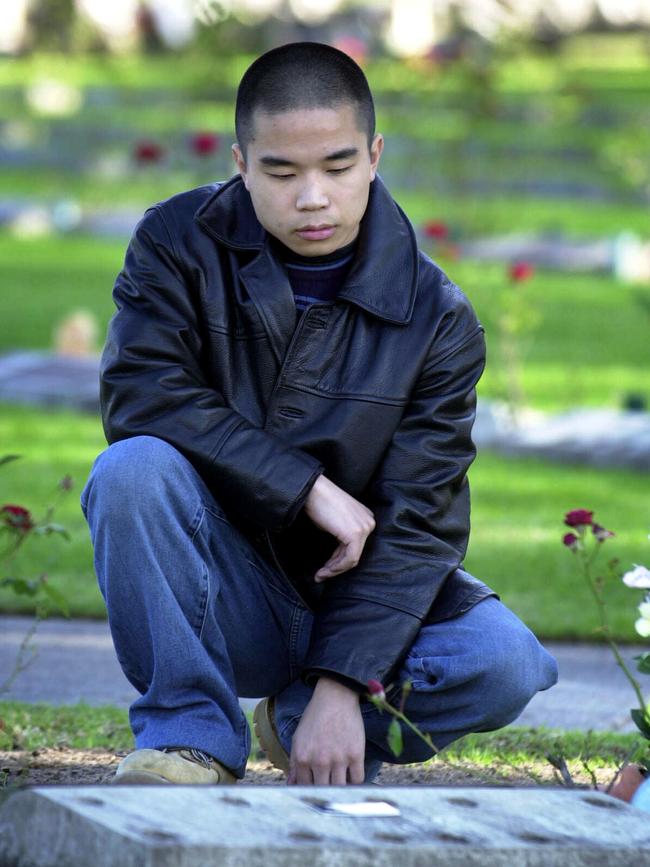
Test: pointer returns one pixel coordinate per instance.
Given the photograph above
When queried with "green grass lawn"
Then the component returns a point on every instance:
(589, 347)
(81, 726)
(514, 752)
(518, 508)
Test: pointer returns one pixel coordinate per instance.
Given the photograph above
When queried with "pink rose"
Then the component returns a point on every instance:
(376, 689)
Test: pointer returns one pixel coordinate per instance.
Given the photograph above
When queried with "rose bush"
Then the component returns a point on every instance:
(586, 542)
(17, 525)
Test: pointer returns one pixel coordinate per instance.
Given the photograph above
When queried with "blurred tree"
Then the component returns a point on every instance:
(51, 24)
(150, 41)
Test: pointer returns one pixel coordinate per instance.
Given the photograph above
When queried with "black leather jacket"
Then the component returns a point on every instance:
(376, 390)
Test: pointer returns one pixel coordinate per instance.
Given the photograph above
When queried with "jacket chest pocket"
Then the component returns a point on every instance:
(350, 355)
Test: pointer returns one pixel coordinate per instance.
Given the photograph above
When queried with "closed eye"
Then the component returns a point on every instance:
(339, 171)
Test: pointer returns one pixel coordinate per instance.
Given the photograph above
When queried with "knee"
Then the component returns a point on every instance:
(129, 472)
(510, 678)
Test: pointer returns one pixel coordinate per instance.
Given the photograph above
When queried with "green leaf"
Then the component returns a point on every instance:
(47, 529)
(643, 662)
(641, 721)
(395, 737)
(7, 459)
(57, 598)
(21, 586)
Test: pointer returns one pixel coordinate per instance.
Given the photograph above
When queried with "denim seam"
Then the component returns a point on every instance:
(284, 593)
(199, 623)
(204, 601)
(197, 521)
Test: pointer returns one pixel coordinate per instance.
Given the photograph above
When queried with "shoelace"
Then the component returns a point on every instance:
(197, 756)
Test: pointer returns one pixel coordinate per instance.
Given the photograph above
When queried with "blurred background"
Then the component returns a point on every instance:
(517, 141)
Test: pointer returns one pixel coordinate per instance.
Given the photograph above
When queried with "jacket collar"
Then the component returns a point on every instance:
(383, 277)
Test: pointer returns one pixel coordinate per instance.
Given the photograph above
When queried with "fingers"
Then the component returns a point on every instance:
(357, 772)
(344, 517)
(346, 556)
(339, 774)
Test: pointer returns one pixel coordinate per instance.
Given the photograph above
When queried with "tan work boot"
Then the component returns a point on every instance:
(264, 725)
(182, 766)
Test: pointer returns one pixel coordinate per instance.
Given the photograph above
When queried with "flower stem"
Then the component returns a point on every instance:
(604, 626)
(426, 738)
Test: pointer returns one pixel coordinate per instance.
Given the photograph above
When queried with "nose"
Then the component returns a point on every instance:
(311, 196)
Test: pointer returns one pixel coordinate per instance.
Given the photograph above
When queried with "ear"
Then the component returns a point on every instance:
(240, 162)
(375, 153)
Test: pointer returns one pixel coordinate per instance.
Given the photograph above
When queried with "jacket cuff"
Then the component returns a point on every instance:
(300, 500)
(264, 479)
(359, 640)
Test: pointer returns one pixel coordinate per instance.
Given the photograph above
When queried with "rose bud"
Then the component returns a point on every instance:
(571, 541)
(376, 690)
(601, 533)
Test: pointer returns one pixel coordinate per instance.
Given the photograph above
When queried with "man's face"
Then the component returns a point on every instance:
(308, 172)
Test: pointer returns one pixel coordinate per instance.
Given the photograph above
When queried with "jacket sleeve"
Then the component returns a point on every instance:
(370, 615)
(152, 383)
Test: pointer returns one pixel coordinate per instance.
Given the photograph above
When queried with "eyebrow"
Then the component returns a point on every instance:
(281, 162)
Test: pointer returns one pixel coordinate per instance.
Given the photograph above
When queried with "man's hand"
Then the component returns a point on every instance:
(334, 510)
(329, 745)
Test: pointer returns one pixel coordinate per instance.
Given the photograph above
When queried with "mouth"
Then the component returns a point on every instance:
(316, 233)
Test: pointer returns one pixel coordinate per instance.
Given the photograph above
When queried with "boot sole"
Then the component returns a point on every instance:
(139, 778)
(267, 735)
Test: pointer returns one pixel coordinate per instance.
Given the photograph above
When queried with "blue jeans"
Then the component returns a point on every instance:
(200, 615)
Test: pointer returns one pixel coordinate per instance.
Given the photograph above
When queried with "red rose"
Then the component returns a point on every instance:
(205, 143)
(570, 540)
(17, 518)
(521, 271)
(375, 689)
(578, 518)
(436, 230)
(147, 152)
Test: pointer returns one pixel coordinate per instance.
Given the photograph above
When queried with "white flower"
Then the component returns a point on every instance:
(642, 625)
(639, 578)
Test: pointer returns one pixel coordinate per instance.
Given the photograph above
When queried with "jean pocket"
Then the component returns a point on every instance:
(423, 672)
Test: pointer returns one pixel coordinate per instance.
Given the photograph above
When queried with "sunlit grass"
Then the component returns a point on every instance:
(52, 445)
(518, 507)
